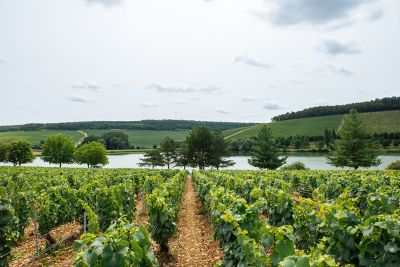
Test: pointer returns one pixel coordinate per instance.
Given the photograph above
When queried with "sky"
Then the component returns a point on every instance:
(215, 60)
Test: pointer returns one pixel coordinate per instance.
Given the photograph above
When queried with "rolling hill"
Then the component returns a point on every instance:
(376, 122)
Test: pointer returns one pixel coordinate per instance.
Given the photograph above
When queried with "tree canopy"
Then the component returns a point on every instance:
(203, 148)
(58, 149)
(355, 148)
(154, 125)
(265, 153)
(219, 150)
(20, 152)
(168, 150)
(4, 151)
(92, 154)
(152, 159)
(113, 140)
(387, 103)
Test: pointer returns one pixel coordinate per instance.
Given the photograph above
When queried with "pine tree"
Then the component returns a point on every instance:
(219, 150)
(265, 154)
(355, 148)
(152, 159)
(168, 151)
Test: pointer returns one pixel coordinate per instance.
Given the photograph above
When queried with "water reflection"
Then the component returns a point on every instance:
(314, 162)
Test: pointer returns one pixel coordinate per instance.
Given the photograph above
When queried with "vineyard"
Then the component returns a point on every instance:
(304, 218)
(259, 218)
(101, 201)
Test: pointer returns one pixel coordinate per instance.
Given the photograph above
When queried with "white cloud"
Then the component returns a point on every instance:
(180, 89)
(250, 99)
(106, 3)
(376, 15)
(272, 105)
(149, 105)
(223, 111)
(339, 70)
(252, 62)
(86, 85)
(334, 48)
(77, 98)
(291, 12)
(178, 102)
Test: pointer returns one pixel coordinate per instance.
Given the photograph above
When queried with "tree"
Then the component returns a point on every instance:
(20, 152)
(355, 148)
(168, 150)
(327, 138)
(152, 159)
(183, 157)
(4, 151)
(219, 150)
(297, 165)
(320, 145)
(199, 146)
(92, 154)
(116, 140)
(58, 149)
(265, 154)
(395, 165)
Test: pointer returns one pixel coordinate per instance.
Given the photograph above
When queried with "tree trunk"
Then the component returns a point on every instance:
(168, 165)
(164, 248)
(50, 239)
(60, 165)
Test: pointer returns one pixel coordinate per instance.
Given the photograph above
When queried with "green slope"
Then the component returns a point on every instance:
(376, 122)
(34, 137)
(145, 138)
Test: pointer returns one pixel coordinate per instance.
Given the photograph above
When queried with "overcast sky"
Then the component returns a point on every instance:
(218, 60)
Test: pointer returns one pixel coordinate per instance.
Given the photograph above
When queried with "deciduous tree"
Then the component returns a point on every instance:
(4, 151)
(20, 152)
(58, 149)
(91, 154)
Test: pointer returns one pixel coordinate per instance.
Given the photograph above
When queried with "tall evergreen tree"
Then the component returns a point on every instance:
(168, 150)
(265, 154)
(327, 138)
(152, 159)
(183, 157)
(219, 150)
(355, 148)
(199, 147)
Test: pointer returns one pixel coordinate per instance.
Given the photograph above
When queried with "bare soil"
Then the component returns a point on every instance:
(193, 244)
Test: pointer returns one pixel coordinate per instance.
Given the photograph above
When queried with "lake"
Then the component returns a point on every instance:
(314, 162)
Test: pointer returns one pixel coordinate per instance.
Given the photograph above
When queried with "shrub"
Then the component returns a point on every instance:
(294, 166)
(395, 165)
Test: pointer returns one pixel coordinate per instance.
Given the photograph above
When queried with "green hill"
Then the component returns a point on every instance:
(376, 122)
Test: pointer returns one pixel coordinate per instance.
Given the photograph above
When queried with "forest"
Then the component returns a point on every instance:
(383, 104)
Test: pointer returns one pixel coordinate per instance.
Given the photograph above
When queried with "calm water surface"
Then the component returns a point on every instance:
(314, 162)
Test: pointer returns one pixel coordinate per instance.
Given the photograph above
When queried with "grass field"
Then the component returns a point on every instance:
(34, 137)
(146, 138)
(376, 122)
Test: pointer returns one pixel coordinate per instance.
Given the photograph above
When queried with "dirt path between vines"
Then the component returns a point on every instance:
(193, 244)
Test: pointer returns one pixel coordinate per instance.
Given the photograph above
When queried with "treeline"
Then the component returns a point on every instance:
(384, 104)
(322, 143)
(155, 125)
